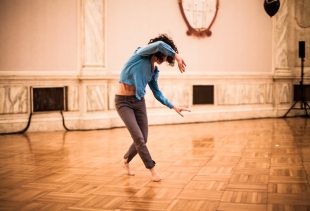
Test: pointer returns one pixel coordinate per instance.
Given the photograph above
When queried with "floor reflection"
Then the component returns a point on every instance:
(260, 164)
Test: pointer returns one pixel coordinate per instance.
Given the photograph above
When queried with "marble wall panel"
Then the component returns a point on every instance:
(13, 99)
(112, 91)
(302, 13)
(269, 93)
(284, 92)
(95, 95)
(302, 29)
(240, 94)
(302, 34)
(93, 20)
(281, 36)
(178, 94)
(73, 98)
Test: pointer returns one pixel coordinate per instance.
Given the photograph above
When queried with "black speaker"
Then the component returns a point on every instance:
(297, 92)
(302, 50)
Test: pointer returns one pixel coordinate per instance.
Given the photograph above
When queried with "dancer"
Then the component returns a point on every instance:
(139, 71)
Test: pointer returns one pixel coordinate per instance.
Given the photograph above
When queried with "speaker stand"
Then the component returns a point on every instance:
(303, 103)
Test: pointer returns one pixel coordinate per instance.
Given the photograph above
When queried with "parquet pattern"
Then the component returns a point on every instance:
(257, 165)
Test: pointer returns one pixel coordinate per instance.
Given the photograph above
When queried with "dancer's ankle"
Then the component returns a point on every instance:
(155, 175)
(125, 165)
(125, 160)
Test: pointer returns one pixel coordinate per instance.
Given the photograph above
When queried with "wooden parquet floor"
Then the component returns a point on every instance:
(256, 165)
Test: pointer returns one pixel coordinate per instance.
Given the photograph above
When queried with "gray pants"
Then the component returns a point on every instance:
(133, 113)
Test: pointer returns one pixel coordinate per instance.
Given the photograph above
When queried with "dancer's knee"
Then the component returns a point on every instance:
(140, 144)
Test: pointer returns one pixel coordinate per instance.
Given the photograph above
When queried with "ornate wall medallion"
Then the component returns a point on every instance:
(199, 15)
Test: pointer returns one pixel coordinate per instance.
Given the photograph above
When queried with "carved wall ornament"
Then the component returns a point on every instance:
(199, 16)
(302, 13)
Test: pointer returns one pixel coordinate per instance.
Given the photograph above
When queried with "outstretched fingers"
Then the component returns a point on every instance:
(186, 109)
(181, 63)
(182, 66)
(180, 109)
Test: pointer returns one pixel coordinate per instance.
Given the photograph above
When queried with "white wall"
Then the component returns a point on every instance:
(42, 35)
(241, 38)
(38, 35)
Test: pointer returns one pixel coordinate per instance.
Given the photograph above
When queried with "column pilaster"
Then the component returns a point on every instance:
(281, 40)
(93, 37)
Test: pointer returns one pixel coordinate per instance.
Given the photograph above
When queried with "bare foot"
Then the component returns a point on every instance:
(125, 165)
(155, 176)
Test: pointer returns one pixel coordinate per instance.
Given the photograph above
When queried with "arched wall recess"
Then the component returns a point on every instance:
(199, 16)
(302, 13)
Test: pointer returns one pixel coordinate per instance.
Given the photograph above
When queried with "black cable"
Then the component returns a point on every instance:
(22, 131)
(63, 123)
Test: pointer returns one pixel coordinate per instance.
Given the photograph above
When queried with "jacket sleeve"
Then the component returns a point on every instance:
(155, 47)
(158, 94)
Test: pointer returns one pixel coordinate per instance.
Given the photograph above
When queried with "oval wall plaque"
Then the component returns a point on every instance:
(199, 15)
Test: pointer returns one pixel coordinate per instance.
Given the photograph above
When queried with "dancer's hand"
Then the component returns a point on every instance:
(180, 109)
(181, 63)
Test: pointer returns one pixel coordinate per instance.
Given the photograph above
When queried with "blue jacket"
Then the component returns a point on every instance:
(138, 71)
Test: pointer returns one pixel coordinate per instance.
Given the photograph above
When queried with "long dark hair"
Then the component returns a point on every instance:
(169, 41)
